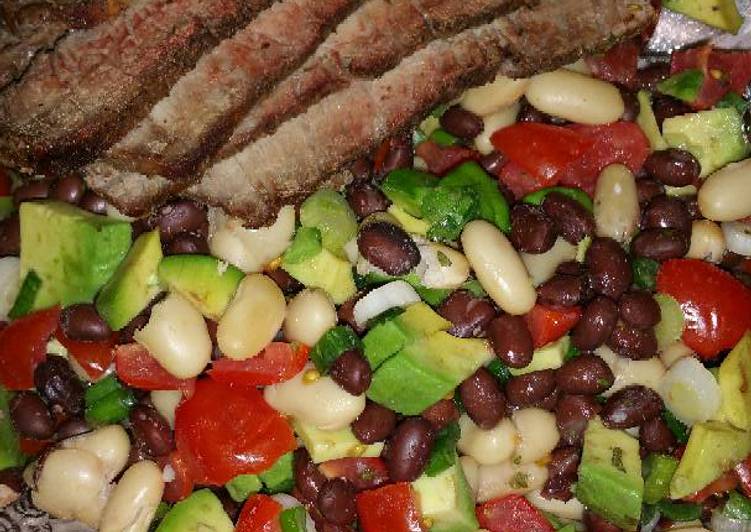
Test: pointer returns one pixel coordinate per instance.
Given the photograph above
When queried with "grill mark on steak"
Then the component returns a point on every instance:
(81, 97)
(367, 44)
(290, 164)
(178, 134)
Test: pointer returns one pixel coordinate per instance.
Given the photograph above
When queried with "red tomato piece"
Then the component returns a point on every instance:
(260, 513)
(547, 324)
(93, 357)
(32, 447)
(519, 182)
(391, 508)
(230, 430)
(441, 159)
(181, 485)
(137, 368)
(724, 71)
(278, 362)
(716, 306)
(5, 182)
(617, 65)
(512, 513)
(743, 475)
(23, 345)
(363, 473)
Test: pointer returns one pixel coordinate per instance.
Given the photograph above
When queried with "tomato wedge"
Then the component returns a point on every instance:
(716, 306)
(278, 362)
(391, 508)
(512, 513)
(441, 159)
(547, 324)
(137, 368)
(23, 345)
(93, 357)
(260, 513)
(230, 430)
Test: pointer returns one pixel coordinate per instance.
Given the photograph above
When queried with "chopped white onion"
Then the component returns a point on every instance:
(737, 237)
(383, 298)
(690, 391)
(352, 251)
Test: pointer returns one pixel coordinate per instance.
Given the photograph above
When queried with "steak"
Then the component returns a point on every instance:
(84, 95)
(178, 134)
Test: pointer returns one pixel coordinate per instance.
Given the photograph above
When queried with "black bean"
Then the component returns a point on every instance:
(31, 417)
(631, 407)
(399, 155)
(666, 107)
(352, 372)
(469, 315)
(532, 231)
(150, 428)
(483, 399)
(58, 384)
(10, 236)
(667, 212)
(181, 216)
(441, 414)
(187, 244)
(528, 113)
(673, 167)
(586, 374)
(346, 314)
(461, 123)
(530, 388)
(388, 247)
(596, 324)
(12, 477)
(572, 413)
(647, 189)
(336, 501)
(639, 309)
(609, 268)
(511, 340)
(125, 335)
(93, 202)
(561, 290)
(660, 244)
(362, 169)
(409, 449)
(596, 523)
(656, 437)
(374, 424)
(31, 190)
(73, 427)
(308, 479)
(562, 473)
(633, 343)
(365, 199)
(287, 283)
(493, 162)
(69, 189)
(82, 322)
(631, 106)
(572, 221)
(647, 78)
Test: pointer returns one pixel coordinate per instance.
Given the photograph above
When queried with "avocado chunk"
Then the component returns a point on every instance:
(205, 281)
(713, 448)
(200, 512)
(734, 378)
(714, 137)
(722, 14)
(610, 481)
(134, 283)
(73, 252)
(330, 213)
(325, 445)
(279, 477)
(10, 450)
(550, 356)
(447, 501)
(326, 271)
(648, 122)
(243, 486)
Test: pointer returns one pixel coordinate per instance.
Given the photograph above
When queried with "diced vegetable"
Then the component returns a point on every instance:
(443, 455)
(24, 302)
(108, 402)
(243, 486)
(10, 452)
(407, 188)
(679, 511)
(645, 272)
(684, 86)
(391, 508)
(330, 213)
(658, 471)
(23, 345)
(333, 343)
(679, 430)
(536, 198)
(279, 477)
(737, 507)
(512, 513)
(307, 244)
(293, 519)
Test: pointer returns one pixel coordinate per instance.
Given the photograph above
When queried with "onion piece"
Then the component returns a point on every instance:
(383, 298)
(690, 391)
(737, 237)
(723, 523)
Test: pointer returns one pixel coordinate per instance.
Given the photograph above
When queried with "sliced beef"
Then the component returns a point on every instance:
(205, 104)
(290, 164)
(81, 97)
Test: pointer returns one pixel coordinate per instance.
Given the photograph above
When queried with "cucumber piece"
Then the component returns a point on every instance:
(24, 302)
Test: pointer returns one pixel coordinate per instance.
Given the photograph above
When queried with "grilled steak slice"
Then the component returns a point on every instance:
(370, 42)
(178, 134)
(81, 97)
(290, 164)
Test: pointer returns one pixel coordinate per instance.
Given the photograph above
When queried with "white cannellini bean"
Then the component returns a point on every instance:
(725, 195)
(10, 284)
(508, 478)
(497, 94)
(674, 352)
(616, 204)
(72, 485)
(321, 403)
(110, 444)
(503, 117)
(133, 502)
(309, 314)
(575, 97)
(177, 337)
(627, 372)
(541, 266)
(737, 237)
(690, 391)
(445, 267)
(538, 434)
(165, 402)
(487, 446)
(471, 470)
(571, 509)
(579, 66)
(253, 318)
(707, 241)
(250, 249)
(498, 267)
